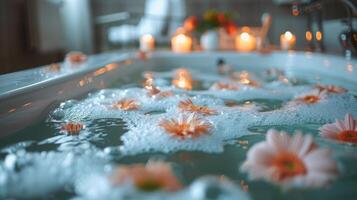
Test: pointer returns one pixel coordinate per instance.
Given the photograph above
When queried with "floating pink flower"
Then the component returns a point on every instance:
(150, 177)
(344, 131)
(290, 161)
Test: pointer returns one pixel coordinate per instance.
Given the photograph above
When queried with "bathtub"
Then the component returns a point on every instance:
(27, 96)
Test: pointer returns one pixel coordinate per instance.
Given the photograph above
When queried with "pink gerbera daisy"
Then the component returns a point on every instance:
(290, 161)
(344, 131)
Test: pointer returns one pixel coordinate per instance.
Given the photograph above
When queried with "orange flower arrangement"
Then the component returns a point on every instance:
(126, 104)
(186, 126)
(72, 128)
(151, 177)
(211, 19)
(190, 24)
(183, 79)
(188, 106)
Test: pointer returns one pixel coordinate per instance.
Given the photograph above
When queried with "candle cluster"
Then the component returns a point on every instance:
(245, 41)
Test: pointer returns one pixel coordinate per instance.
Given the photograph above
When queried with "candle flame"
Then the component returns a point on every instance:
(245, 36)
(180, 38)
(288, 35)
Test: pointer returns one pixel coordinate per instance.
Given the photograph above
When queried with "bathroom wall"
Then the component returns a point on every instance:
(38, 32)
(249, 13)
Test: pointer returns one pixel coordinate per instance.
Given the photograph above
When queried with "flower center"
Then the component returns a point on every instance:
(348, 136)
(149, 185)
(311, 99)
(72, 128)
(288, 165)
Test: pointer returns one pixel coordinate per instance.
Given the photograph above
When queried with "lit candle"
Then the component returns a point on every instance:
(181, 43)
(287, 41)
(147, 42)
(245, 42)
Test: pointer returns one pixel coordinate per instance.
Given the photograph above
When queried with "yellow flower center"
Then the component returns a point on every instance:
(311, 99)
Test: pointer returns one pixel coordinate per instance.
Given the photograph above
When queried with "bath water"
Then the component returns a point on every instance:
(43, 162)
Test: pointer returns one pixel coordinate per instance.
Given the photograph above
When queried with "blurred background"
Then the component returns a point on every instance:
(39, 32)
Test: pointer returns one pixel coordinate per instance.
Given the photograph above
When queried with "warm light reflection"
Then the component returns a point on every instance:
(183, 79)
(54, 67)
(244, 78)
(12, 110)
(318, 35)
(308, 35)
(152, 89)
(27, 104)
(149, 84)
(349, 68)
(82, 83)
(224, 86)
(105, 69)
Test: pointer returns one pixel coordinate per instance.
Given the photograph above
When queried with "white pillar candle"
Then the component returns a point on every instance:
(147, 42)
(287, 41)
(181, 43)
(245, 42)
